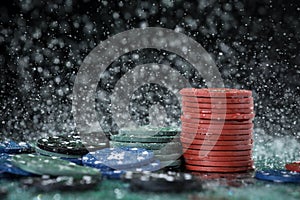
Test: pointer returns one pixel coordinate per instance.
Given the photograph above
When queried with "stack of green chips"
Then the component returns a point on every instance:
(163, 141)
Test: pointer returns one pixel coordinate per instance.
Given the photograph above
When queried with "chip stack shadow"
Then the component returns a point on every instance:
(217, 128)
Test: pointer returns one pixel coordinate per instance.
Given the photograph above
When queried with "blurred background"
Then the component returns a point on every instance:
(255, 45)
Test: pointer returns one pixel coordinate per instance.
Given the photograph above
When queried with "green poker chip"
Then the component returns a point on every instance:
(53, 166)
(167, 157)
(149, 131)
(49, 153)
(171, 146)
(167, 151)
(144, 139)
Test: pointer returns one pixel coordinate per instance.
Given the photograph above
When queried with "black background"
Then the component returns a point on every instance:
(254, 43)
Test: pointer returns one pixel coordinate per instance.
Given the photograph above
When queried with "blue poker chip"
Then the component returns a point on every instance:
(154, 166)
(120, 158)
(77, 161)
(7, 167)
(117, 174)
(282, 176)
(91, 161)
(112, 174)
(13, 148)
(4, 157)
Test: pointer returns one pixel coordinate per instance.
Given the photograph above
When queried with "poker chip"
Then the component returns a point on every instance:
(217, 100)
(220, 132)
(234, 116)
(217, 158)
(117, 174)
(213, 122)
(114, 162)
(7, 167)
(77, 161)
(216, 143)
(163, 141)
(113, 174)
(118, 158)
(53, 166)
(211, 137)
(210, 111)
(295, 166)
(163, 182)
(68, 144)
(218, 169)
(217, 128)
(13, 147)
(166, 157)
(153, 166)
(168, 150)
(217, 107)
(50, 153)
(61, 183)
(157, 148)
(10, 169)
(218, 148)
(219, 164)
(71, 158)
(174, 146)
(149, 131)
(282, 176)
(144, 139)
(243, 176)
(217, 153)
(216, 92)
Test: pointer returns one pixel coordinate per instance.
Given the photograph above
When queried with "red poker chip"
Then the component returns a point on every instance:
(220, 164)
(218, 169)
(218, 100)
(229, 176)
(216, 132)
(217, 143)
(216, 137)
(214, 121)
(219, 116)
(217, 148)
(295, 166)
(209, 111)
(216, 92)
(218, 126)
(204, 154)
(217, 106)
(217, 159)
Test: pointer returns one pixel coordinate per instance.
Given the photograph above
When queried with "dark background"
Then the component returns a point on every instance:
(254, 43)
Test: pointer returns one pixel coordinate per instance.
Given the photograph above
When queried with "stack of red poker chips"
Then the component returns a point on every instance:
(217, 129)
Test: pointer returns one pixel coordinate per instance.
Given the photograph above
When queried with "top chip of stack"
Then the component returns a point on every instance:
(163, 141)
(217, 129)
